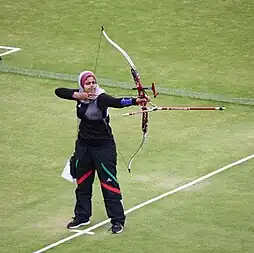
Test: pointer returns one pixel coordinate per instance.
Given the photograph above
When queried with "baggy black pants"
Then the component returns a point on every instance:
(103, 159)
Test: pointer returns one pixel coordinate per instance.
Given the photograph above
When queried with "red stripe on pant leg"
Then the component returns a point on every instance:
(84, 177)
(113, 189)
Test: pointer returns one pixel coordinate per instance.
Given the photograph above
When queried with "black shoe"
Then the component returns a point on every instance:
(116, 228)
(76, 223)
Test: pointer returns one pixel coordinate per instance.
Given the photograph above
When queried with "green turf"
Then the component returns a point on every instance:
(204, 46)
(38, 132)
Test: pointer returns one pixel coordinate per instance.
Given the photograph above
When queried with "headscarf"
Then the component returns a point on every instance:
(81, 81)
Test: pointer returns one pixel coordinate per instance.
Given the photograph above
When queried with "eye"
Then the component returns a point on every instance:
(93, 82)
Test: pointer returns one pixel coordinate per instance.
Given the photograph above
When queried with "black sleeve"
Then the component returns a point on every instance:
(104, 101)
(65, 93)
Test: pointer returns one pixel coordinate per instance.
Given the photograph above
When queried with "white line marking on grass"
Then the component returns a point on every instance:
(86, 231)
(10, 50)
(78, 231)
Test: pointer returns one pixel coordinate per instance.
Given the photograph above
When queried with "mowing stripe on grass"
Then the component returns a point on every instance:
(200, 179)
(110, 83)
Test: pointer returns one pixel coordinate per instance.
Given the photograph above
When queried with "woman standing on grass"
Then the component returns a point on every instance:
(95, 149)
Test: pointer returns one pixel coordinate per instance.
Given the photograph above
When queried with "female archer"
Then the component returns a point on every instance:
(95, 149)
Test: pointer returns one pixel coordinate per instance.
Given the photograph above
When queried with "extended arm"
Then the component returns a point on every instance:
(105, 101)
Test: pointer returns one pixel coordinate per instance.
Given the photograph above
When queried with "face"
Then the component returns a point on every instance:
(90, 84)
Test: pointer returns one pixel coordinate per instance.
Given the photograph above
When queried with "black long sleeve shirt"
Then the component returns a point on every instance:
(94, 127)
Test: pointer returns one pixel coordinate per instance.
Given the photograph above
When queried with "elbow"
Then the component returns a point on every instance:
(60, 92)
(57, 92)
(64, 93)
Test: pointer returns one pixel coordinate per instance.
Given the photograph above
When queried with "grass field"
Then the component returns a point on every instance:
(205, 46)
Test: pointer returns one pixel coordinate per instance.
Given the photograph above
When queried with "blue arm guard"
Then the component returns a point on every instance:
(126, 101)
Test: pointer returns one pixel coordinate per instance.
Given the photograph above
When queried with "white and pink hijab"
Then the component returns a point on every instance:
(81, 80)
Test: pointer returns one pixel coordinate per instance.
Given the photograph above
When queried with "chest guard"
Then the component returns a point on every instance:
(90, 111)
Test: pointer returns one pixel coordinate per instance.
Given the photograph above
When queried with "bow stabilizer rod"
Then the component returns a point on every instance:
(175, 108)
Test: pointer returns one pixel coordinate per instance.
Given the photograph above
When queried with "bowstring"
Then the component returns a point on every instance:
(98, 52)
(94, 70)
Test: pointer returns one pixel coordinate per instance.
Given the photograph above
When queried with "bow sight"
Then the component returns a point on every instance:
(152, 88)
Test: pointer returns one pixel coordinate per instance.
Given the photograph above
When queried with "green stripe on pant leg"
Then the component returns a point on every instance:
(108, 172)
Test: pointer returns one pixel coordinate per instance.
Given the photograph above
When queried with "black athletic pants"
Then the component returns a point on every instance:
(103, 159)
